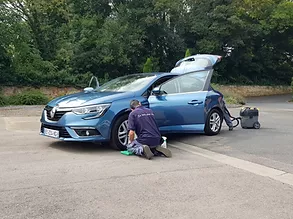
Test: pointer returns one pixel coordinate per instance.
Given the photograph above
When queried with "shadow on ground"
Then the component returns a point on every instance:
(82, 147)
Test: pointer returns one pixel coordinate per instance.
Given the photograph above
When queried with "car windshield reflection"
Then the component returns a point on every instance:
(127, 83)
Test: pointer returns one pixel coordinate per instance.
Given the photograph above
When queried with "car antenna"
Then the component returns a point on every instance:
(89, 88)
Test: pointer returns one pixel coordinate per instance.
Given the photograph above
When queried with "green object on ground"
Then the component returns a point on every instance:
(127, 153)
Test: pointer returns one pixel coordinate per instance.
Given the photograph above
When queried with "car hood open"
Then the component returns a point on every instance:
(88, 98)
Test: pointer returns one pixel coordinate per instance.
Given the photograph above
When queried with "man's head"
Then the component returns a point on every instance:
(134, 104)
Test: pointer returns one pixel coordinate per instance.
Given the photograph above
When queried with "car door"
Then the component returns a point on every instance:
(181, 104)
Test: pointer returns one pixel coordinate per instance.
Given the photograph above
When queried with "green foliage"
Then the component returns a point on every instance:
(3, 100)
(65, 42)
(187, 53)
(292, 86)
(31, 97)
(151, 65)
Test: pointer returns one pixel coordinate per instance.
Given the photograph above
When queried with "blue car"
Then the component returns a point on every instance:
(182, 100)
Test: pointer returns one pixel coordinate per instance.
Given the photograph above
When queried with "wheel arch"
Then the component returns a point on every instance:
(217, 107)
(214, 100)
(116, 117)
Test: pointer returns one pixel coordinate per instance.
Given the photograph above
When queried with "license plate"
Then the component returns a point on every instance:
(51, 133)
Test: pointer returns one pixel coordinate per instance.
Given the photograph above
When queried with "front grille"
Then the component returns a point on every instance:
(57, 115)
(62, 131)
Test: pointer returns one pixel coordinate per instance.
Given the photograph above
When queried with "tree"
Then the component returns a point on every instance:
(46, 41)
(6, 76)
(148, 66)
(44, 18)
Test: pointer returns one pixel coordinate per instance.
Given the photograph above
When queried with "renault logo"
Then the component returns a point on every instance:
(53, 111)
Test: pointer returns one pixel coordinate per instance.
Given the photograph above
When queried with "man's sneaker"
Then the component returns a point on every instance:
(230, 128)
(147, 152)
(165, 151)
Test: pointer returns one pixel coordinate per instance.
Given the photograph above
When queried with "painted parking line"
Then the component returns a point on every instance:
(257, 169)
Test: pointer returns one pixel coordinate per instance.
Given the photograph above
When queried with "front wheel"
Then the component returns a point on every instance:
(119, 136)
(213, 123)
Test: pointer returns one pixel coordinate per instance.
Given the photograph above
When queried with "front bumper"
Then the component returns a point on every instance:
(72, 127)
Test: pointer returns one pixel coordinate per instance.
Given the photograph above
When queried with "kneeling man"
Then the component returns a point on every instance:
(141, 121)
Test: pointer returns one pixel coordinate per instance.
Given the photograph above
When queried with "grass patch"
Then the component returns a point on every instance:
(230, 96)
(236, 94)
(254, 91)
(234, 99)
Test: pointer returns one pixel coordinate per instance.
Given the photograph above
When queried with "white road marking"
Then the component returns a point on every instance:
(257, 169)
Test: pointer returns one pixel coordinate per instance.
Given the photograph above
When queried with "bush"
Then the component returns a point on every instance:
(3, 100)
(187, 53)
(31, 97)
(151, 65)
(292, 88)
(148, 66)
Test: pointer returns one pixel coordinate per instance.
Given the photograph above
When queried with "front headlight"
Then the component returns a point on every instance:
(95, 110)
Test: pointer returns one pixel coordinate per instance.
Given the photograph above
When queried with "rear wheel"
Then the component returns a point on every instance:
(213, 123)
(119, 136)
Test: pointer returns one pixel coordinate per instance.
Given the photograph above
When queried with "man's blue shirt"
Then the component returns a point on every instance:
(142, 121)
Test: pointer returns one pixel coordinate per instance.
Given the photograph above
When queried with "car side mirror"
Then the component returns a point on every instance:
(157, 91)
(88, 89)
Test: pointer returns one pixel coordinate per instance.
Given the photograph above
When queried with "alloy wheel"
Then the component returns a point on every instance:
(123, 133)
(215, 122)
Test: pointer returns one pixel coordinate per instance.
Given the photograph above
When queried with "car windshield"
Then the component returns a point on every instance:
(127, 83)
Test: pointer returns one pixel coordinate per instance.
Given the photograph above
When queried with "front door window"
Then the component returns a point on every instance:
(191, 82)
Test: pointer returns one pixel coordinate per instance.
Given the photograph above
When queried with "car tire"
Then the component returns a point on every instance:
(117, 131)
(213, 128)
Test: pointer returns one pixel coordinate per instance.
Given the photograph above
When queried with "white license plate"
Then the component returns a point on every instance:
(51, 133)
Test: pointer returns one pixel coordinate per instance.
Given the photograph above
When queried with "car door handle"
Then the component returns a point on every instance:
(195, 102)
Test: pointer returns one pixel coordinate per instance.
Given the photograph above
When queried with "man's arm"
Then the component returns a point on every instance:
(131, 135)
(131, 127)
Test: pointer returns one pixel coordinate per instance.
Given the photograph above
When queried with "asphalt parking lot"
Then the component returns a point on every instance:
(272, 145)
(238, 174)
